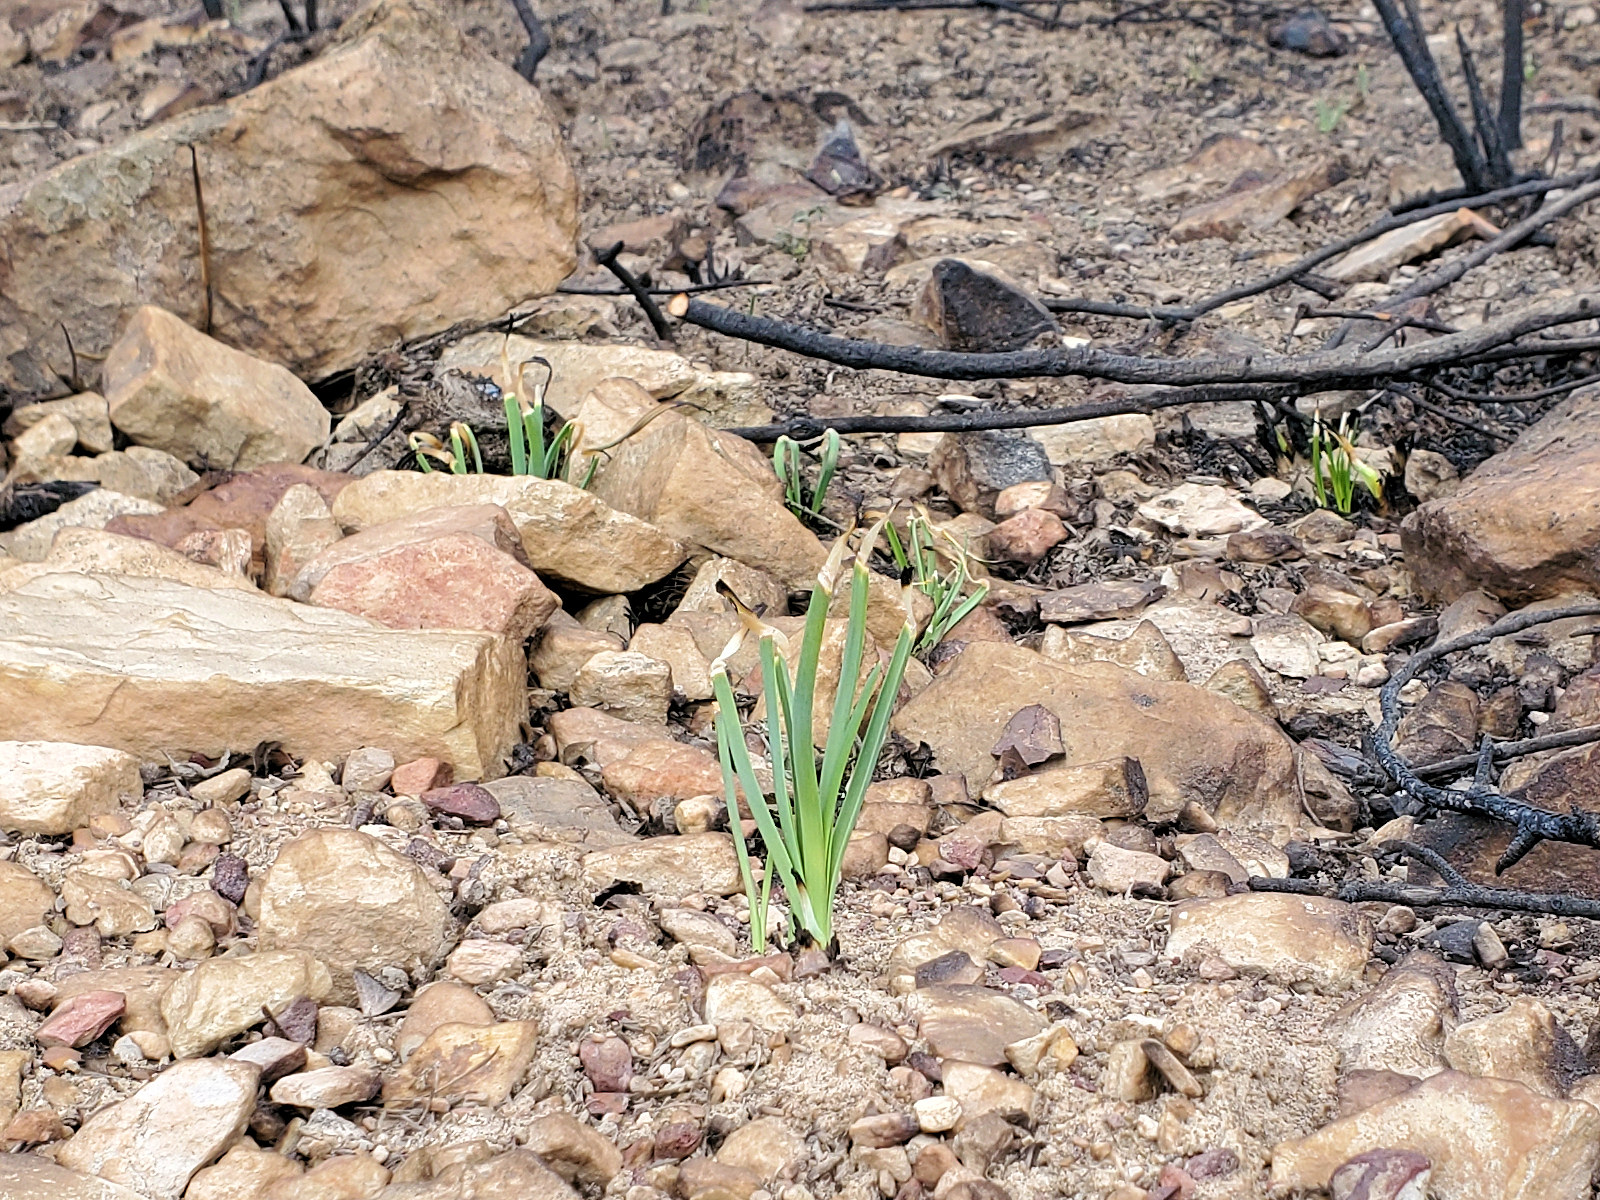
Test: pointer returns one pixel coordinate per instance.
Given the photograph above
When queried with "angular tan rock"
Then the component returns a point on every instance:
(1523, 1043)
(695, 483)
(626, 684)
(1526, 524)
(1488, 1139)
(1094, 439)
(1145, 651)
(568, 534)
(1290, 938)
(737, 997)
(90, 417)
(177, 1123)
(478, 1063)
(347, 899)
(440, 1003)
(973, 1024)
(455, 581)
(222, 997)
(55, 787)
(573, 1150)
(691, 671)
(563, 646)
(339, 1177)
(668, 866)
(97, 552)
(762, 593)
(1255, 201)
(299, 527)
(114, 229)
(244, 1171)
(514, 1175)
(79, 661)
(1377, 258)
(1114, 869)
(24, 900)
(138, 471)
(171, 387)
(33, 1177)
(980, 1090)
(1115, 788)
(327, 1087)
(1192, 745)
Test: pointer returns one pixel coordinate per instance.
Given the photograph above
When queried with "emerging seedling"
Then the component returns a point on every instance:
(787, 462)
(806, 824)
(944, 588)
(1337, 468)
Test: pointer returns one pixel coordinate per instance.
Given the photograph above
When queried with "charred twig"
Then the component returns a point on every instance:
(803, 429)
(1487, 398)
(720, 285)
(1488, 126)
(1511, 13)
(1326, 369)
(538, 39)
(1405, 31)
(1532, 825)
(1298, 272)
(73, 381)
(1426, 323)
(608, 260)
(1508, 239)
(1440, 411)
(1506, 751)
(1458, 890)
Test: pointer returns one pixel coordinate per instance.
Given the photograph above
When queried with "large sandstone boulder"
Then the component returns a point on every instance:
(1193, 745)
(150, 666)
(402, 181)
(347, 899)
(1526, 524)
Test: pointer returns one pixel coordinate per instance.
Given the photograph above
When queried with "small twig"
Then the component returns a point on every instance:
(1505, 751)
(720, 285)
(1487, 398)
(608, 260)
(377, 441)
(205, 237)
(289, 17)
(74, 381)
(1532, 825)
(1440, 411)
(1487, 124)
(1511, 13)
(1427, 323)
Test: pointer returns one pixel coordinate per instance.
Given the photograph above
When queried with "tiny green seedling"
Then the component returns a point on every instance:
(1336, 468)
(786, 461)
(944, 587)
(806, 826)
(462, 440)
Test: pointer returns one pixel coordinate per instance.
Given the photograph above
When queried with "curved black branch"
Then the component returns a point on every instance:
(538, 40)
(608, 260)
(1411, 42)
(1327, 369)
(1532, 825)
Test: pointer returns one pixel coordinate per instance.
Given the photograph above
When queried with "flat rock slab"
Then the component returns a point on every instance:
(1526, 524)
(400, 181)
(1292, 939)
(30, 1177)
(150, 666)
(167, 1130)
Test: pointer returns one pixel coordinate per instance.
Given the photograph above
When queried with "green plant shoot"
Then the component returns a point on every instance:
(1336, 468)
(787, 463)
(813, 808)
(944, 588)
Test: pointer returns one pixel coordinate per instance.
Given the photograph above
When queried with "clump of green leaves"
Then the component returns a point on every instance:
(922, 555)
(787, 461)
(805, 824)
(1335, 468)
(532, 453)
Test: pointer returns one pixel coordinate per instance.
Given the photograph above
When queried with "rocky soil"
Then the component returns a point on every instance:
(362, 833)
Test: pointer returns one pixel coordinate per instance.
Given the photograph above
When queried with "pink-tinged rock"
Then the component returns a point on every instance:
(608, 1064)
(662, 769)
(81, 1019)
(472, 803)
(1488, 1139)
(215, 910)
(1383, 1175)
(418, 776)
(1026, 537)
(453, 582)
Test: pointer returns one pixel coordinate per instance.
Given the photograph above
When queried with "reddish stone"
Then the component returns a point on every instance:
(473, 804)
(230, 876)
(677, 1140)
(1016, 975)
(60, 1058)
(602, 1104)
(241, 501)
(1026, 537)
(214, 909)
(33, 1127)
(456, 581)
(421, 775)
(608, 1064)
(81, 1019)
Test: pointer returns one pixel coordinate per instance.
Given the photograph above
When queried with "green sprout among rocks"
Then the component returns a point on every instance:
(946, 588)
(1336, 469)
(813, 809)
(787, 459)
